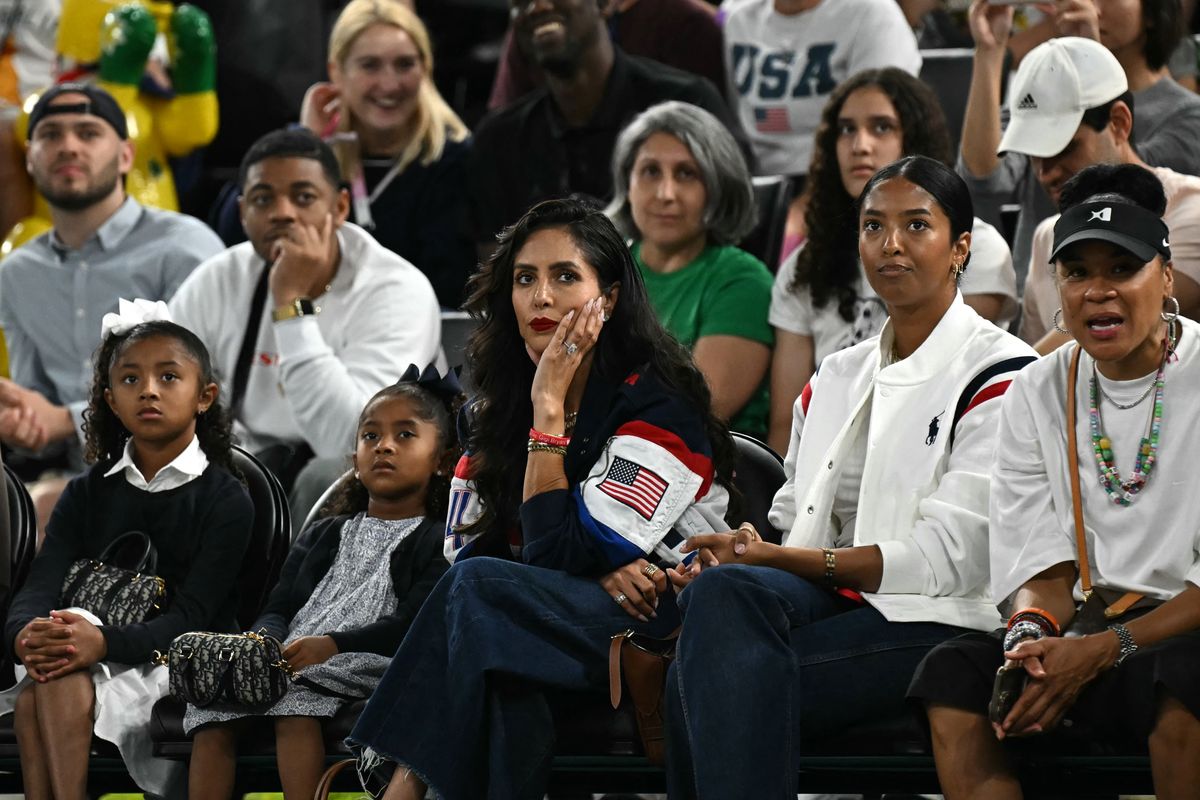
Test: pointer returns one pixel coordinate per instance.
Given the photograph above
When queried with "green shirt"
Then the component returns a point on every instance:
(724, 292)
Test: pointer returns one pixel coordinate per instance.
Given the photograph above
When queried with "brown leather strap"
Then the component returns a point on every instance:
(1127, 600)
(614, 669)
(1085, 571)
(327, 779)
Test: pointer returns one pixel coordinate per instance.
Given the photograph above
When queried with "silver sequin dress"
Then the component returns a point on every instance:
(356, 591)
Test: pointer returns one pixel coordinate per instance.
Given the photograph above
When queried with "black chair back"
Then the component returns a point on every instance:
(270, 537)
(772, 196)
(19, 547)
(323, 500)
(758, 474)
(948, 73)
(457, 327)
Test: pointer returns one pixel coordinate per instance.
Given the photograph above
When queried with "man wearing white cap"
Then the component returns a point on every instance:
(1071, 109)
(1058, 82)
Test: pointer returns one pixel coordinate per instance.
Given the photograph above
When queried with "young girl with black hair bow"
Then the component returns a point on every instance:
(162, 464)
(339, 613)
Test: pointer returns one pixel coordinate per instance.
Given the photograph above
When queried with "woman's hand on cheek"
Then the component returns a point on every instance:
(574, 338)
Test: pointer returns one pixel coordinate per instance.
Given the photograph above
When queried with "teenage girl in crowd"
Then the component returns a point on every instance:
(822, 301)
(593, 456)
(400, 145)
(341, 614)
(162, 464)
(885, 506)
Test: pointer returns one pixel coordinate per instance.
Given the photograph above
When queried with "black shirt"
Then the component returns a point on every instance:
(200, 531)
(421, 216)
(526, 153)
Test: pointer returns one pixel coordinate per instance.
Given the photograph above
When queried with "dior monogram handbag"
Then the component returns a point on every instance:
(118, 595)
(241, 669)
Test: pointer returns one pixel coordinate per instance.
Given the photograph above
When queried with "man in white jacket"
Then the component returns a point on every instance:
(309, 318)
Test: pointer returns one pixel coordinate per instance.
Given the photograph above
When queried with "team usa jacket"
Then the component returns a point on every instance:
(932, 421)
(641, 480)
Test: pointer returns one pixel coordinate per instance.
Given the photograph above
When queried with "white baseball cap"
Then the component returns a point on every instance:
(1056, 82)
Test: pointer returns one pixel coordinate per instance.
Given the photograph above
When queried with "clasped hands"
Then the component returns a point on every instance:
(1058, 670)
(57, 645)
(29, 420)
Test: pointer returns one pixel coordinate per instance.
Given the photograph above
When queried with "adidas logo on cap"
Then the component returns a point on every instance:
(1027, 103)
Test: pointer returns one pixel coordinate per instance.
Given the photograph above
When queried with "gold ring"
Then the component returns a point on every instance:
(649, 570)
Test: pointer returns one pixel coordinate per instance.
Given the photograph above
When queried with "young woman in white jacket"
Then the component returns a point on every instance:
(885, 552)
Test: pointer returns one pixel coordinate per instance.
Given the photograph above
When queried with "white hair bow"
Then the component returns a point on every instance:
(131, 313)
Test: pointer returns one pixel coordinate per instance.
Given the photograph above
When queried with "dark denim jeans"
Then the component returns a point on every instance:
(768, 663)
(462, 703)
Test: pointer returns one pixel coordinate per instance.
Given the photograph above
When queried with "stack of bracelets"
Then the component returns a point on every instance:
(545, 443)
(1032, 623)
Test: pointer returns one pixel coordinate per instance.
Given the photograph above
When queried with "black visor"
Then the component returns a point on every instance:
(1129, 227)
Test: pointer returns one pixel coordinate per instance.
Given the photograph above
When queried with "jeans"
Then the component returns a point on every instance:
(462, 703)
(767, 664)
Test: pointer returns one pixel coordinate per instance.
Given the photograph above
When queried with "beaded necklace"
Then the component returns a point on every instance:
(1123, 492)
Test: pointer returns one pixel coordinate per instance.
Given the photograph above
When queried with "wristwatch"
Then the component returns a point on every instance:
(1128, 645)
(300, 307)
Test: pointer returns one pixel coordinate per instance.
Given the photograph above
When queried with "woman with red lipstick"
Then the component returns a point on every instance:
(1136, 376)
(683, 195)
(592, 457)
(821, 301)
(884, 511)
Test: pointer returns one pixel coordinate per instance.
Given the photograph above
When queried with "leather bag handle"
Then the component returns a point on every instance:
(326, 784)
(147, 560)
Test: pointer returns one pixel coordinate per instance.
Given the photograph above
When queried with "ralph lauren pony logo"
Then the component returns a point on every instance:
(933, 430)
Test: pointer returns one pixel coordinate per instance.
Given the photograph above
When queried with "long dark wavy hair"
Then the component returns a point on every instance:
(104, 434)
(502, 371)
(352, 497)
(828, 263)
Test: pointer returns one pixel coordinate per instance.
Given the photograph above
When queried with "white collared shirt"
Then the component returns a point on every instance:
(184, 468)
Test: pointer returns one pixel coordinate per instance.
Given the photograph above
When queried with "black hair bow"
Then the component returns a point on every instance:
(445, 387)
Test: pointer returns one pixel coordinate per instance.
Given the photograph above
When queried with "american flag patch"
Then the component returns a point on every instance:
(772, 119)
(634, 485)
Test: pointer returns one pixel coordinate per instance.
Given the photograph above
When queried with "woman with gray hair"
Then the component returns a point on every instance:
(683, 197)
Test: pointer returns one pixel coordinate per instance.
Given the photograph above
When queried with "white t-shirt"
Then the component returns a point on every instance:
(1182, 218)
(1151, 546)
(782, 68)
(990, 272)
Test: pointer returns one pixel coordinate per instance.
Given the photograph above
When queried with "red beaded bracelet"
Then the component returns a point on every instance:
(545, 438)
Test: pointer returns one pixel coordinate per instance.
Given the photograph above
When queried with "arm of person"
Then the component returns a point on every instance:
(990, 27)
(224, 534)
(734, 368)
(384, 636)
(308, 559)
(792, 365)
(394, 325)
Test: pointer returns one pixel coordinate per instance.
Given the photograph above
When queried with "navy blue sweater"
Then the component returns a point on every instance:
(200, 530)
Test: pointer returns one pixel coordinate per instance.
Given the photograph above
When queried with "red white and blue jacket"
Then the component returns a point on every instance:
(641, 481)
(931, 425)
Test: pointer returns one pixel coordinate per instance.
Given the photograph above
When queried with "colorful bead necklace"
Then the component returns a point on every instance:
(1123, 492)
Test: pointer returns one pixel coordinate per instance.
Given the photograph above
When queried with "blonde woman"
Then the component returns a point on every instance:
(400, 145)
